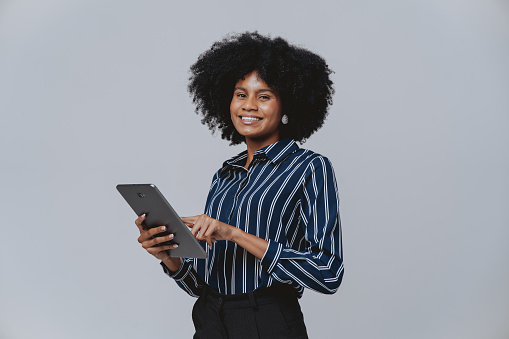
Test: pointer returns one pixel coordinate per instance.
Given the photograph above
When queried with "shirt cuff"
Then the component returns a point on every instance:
(179, 274)
(271, 256)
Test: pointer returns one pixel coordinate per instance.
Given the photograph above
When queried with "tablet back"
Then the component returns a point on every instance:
(146, 198)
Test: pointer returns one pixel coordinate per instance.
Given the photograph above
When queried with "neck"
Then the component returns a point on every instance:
(255, 145)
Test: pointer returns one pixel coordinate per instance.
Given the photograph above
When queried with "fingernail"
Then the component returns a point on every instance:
(175, 246)
(170, 236)
(163, 228)
(143, 215)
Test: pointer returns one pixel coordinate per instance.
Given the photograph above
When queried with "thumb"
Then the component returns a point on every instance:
(139, 222)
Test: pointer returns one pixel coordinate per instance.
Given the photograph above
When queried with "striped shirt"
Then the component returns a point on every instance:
(288, 196)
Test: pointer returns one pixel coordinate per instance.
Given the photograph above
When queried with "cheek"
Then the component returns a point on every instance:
(233, 107)
(276, 112)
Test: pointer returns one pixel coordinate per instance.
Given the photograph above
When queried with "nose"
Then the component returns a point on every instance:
(249, 104)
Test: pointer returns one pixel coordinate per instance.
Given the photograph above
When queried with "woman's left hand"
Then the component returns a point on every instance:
(209, 229)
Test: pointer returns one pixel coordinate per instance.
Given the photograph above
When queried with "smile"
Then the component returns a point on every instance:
(250, 118)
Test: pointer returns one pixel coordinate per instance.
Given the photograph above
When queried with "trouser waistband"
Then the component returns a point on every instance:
(252, 299)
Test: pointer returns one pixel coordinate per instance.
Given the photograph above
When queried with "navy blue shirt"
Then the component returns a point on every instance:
(288, 196)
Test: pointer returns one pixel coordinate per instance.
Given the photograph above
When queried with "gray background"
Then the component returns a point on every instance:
(93, 93)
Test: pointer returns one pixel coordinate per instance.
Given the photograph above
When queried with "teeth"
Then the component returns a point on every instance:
(250, 118)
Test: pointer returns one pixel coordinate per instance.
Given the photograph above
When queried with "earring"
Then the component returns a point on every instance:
(284, 119)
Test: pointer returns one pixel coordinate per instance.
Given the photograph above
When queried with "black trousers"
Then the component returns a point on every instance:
(272, 312)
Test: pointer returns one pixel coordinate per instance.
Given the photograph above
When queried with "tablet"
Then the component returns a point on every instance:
(146, 198)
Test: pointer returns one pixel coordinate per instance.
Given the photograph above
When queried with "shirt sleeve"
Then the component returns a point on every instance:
(320, 266)
(186, 277)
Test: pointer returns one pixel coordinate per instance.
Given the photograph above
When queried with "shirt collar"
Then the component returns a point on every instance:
(275, 152)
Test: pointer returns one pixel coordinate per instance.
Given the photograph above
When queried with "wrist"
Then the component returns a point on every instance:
(236, 234)
(172, 263)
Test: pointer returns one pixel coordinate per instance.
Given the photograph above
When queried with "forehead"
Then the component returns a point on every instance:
(252, 80)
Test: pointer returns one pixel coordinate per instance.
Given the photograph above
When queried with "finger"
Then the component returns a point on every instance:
(210, 230)
(153, 242)
(208, 240)
(145, 235)
(156, 251)
(206, 228)
(201, 225)
(190, 220)
(207, 235)
(197, 225)
(139, 222)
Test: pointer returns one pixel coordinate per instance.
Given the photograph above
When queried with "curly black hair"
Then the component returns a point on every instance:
(299, 76)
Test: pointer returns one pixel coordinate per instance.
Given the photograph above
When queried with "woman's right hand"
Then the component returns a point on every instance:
(149, 240)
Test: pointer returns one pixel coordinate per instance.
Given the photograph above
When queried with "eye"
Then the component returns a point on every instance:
(264, 97)
(240, 95)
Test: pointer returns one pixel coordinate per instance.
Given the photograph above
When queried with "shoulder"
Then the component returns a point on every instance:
(313, 160)
(215, 178)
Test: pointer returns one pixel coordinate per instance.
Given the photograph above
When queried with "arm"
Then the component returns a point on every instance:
(185, 276)
(209, 229)
(178, 268)
(320, 266)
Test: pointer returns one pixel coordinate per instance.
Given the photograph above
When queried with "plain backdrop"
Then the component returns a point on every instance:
(93, 93)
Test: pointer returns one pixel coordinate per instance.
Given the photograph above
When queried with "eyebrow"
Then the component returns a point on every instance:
(258, 91)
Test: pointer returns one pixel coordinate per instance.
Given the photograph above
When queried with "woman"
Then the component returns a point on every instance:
(271, 220)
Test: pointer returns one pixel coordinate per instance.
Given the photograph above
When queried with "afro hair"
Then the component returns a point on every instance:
(299, 76)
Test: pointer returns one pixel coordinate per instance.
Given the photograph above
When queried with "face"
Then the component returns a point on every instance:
(256, 110)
